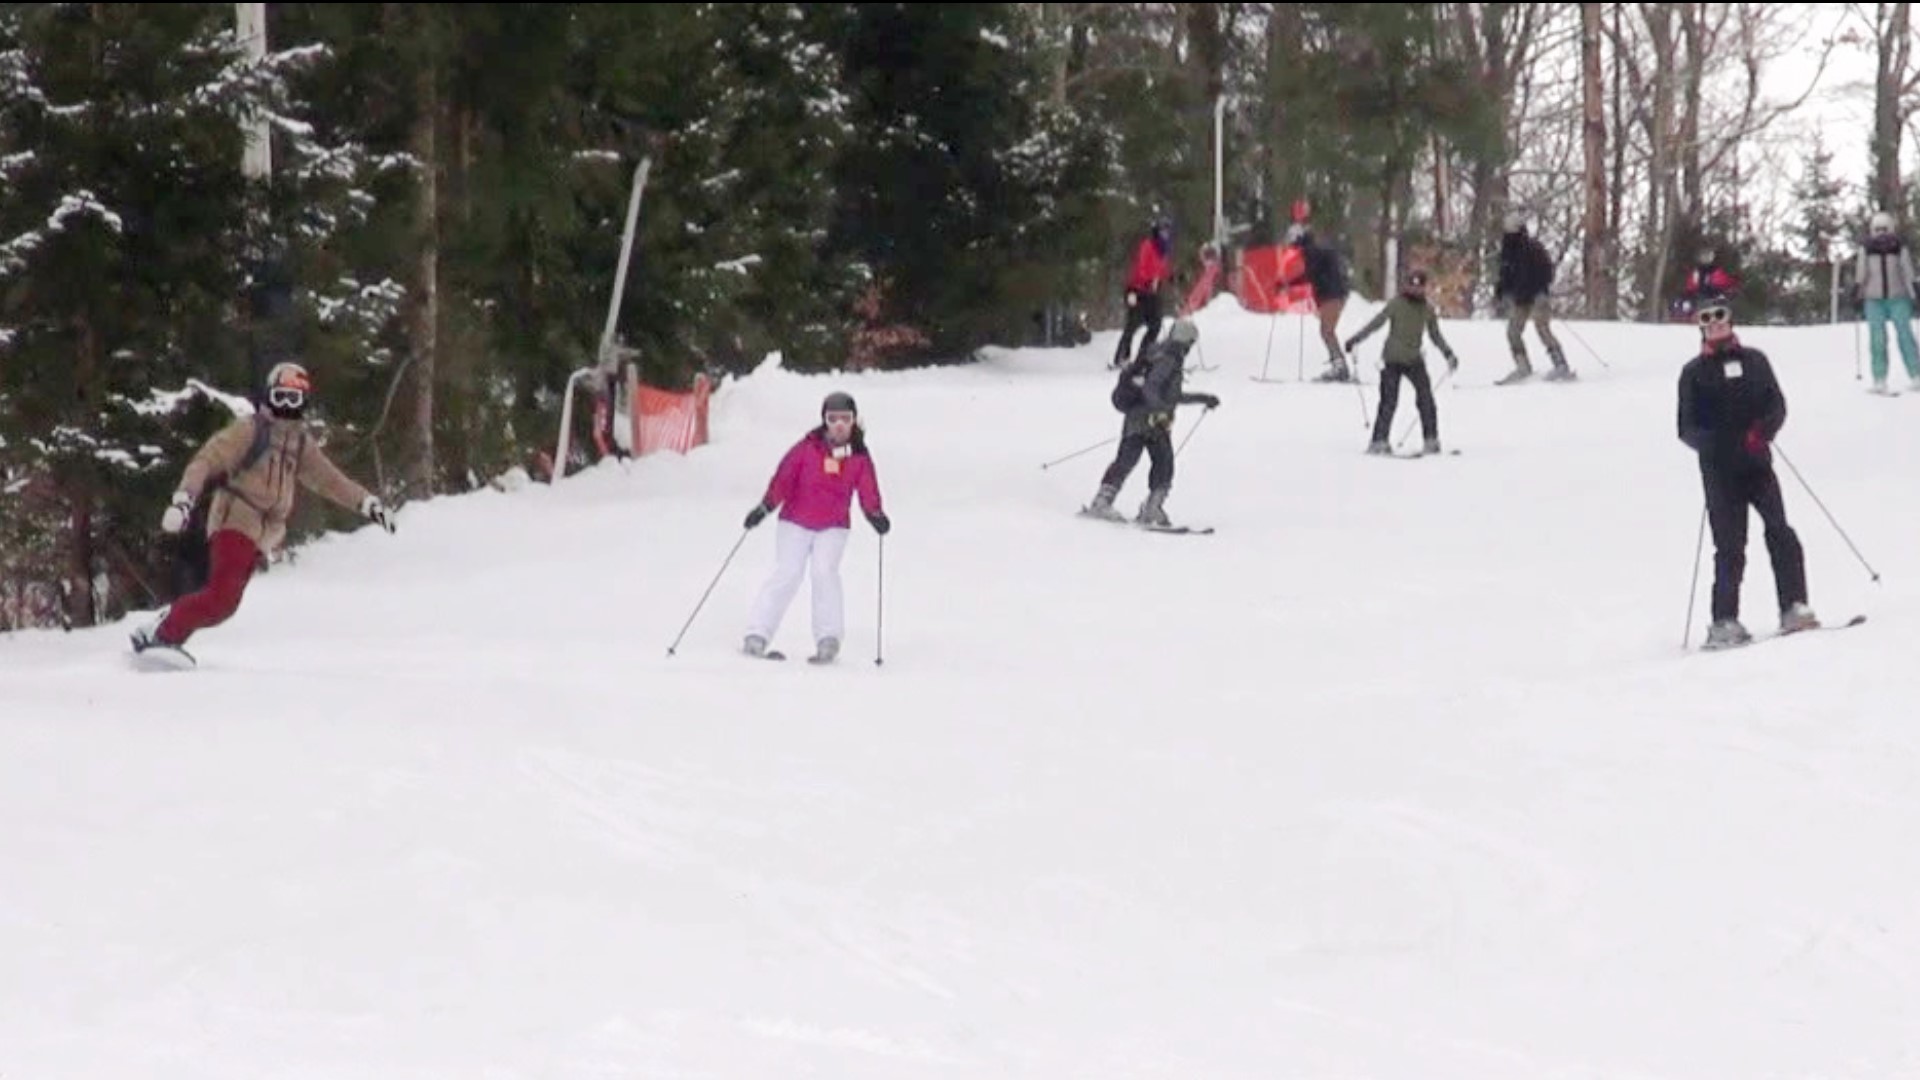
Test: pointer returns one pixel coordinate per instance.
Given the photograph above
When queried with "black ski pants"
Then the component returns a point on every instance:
(1157, 443)
(1415, 373)
(1731, 488)
(1145, 312)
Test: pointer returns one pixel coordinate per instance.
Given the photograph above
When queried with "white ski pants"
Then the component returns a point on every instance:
(799, 551)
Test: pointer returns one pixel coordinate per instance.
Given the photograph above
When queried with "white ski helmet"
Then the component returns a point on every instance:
(1882, 222)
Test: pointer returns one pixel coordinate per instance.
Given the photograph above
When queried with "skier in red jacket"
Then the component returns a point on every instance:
(1149, 273)
(814, 487)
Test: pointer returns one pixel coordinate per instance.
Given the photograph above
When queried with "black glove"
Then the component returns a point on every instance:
(1211, 401)
(880, 523)
(1453, 362)
(1349, 345)
(757, 515)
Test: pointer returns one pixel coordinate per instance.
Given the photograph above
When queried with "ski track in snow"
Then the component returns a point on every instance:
(1403, 773)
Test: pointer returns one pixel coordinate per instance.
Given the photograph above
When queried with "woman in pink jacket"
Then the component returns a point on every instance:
(814, 489)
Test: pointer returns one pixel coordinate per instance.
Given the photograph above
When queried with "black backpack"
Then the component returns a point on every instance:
(1127, 393)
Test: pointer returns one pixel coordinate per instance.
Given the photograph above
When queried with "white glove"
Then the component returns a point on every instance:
(372, 509)
(175, 518)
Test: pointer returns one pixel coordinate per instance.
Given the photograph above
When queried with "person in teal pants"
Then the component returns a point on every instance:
(1885, 286)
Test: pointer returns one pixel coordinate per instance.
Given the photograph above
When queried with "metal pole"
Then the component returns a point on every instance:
(251, 22)
(626, 253)
(1219, 170)
(269, 299)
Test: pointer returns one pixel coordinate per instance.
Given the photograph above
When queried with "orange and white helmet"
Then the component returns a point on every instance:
(288, 388)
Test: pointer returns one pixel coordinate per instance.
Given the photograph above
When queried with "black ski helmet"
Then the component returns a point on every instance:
(838, 401)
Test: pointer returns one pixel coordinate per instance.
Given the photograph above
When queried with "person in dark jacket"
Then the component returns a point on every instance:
(1407, 317)
(1148, 425)
(1731, 409)
(1144, 281)
(1526, 275)
(1323, 272)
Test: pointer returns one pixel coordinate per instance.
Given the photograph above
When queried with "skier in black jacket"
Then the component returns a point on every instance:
(1526, 276)
(1731, 408)
(1321, 269)
(1148, 391)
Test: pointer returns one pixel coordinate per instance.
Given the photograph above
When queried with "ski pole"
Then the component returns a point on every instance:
(880, 604)
(1083, 450)
(1693, 589)
(1823, 509)
(1190, 431)
(1575, 334)
(709, 592)
(1273, 320)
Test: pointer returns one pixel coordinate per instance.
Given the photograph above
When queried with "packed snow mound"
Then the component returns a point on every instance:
(1402, 773)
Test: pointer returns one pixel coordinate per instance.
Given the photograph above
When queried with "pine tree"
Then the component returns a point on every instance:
(121, 251)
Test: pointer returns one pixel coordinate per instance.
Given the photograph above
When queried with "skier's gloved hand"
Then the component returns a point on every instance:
(175, 518)
(375, 511)
(1133, 298)
(1453, 362)
(1349, 345)
(880, 522)
(757, 515)
(1756, 441)
(1211, 401)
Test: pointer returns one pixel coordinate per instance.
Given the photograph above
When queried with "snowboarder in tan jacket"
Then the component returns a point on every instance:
(251, 468)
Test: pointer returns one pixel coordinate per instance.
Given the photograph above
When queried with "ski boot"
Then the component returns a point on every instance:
(755, 645)
(1379, 447)
(1431, 446)
(1560, 372)
(1522, 371)
(148, 636)
(1726, 633)
(1102, 505)
(1798, 617)
(1337, 370)
(825, 651)
(1152, 513)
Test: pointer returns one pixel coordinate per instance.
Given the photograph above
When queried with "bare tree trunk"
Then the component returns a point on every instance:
(1593, 261)
(1617, 185)
(1286, 180)
(78, 490)
(1498, 37)
(1442, 190)
(1691, 211)
(1893, 51)
(1661, 181)
(423, 327)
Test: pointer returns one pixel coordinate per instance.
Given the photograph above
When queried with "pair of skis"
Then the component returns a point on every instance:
(1171, 530)
(1778, 634)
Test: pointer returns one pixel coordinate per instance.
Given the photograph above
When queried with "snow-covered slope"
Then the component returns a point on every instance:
(1401, 774)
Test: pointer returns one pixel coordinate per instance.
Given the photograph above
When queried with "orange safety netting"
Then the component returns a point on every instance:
(667, 420)
(1263, 279)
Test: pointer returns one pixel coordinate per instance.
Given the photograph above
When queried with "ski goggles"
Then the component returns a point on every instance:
(1709, 316)
(838, 419)
(287, 397)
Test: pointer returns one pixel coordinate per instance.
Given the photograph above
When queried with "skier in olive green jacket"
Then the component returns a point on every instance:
(1407, 318)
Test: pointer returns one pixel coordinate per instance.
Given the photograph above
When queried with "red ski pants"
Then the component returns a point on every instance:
(231, 558)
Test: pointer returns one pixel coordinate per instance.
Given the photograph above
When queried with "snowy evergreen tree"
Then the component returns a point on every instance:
(122, 236)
